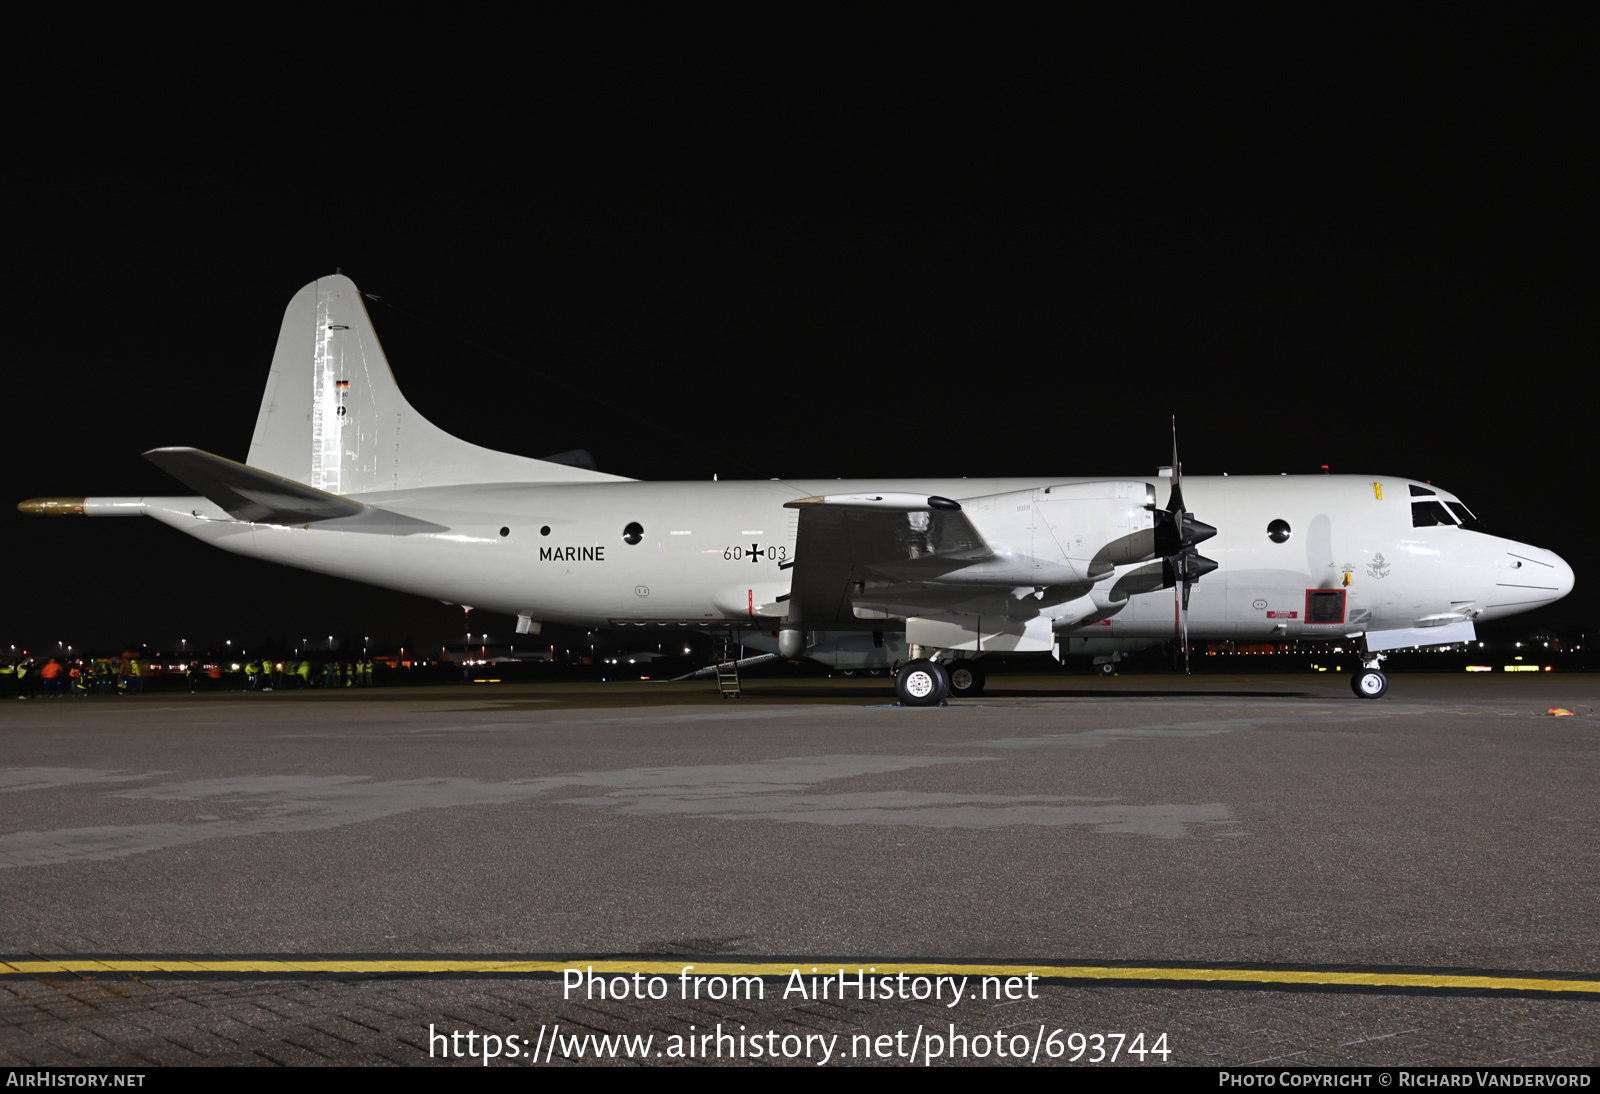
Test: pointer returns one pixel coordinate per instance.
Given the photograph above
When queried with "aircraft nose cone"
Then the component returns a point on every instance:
(1532, 575)
(1565, 578)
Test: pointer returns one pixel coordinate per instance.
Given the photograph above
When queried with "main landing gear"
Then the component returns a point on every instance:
(922, 683)
(966, 678)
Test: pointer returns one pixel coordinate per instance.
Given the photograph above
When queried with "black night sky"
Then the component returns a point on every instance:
(1367, 265)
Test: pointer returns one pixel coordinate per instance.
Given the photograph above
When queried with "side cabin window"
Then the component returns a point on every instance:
(1428, 514)
(1324, 605)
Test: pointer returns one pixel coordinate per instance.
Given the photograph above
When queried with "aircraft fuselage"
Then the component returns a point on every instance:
(715, 553)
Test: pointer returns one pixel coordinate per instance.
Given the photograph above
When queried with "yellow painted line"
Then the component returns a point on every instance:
(703, 967)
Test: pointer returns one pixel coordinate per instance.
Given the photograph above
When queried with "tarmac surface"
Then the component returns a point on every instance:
(1409, 881)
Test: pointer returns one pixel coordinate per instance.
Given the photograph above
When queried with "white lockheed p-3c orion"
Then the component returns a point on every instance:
(343, 477)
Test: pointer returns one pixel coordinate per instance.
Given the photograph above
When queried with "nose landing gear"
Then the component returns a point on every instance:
(1369, 683)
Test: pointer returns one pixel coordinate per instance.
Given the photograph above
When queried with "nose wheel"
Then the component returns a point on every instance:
(1369, 684)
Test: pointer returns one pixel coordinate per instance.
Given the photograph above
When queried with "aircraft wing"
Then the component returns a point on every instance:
(844, 537)
(247, 493)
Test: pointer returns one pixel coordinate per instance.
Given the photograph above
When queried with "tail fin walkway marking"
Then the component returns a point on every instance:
(1346, 978)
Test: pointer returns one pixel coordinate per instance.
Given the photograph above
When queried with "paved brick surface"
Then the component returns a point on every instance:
(388, 1022)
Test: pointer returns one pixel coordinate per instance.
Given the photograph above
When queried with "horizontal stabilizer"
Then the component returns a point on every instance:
(248, 493)
(578, 457)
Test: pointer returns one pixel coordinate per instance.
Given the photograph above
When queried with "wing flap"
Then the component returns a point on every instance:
(248, 493)
(843, 537)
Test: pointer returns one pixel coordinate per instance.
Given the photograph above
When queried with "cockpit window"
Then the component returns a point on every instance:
(1464, 515)
(1420, 491)
(1428, 514)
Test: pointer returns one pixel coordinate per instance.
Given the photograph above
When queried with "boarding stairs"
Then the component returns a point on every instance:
(726, 649)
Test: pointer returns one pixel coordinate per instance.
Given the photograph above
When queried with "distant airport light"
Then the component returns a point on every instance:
(1480, 668)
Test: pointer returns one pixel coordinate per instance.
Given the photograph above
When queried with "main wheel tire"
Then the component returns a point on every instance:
(921, 683)
(966, 678)
(1369, 684)
(1106, 669)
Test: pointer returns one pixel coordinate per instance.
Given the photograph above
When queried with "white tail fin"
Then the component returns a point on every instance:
(334, 419)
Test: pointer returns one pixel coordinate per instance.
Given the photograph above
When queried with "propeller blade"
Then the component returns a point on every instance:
(1184, 617)
(1177, 468)
(1181, 622)
(1175, 502)
(1176, 533)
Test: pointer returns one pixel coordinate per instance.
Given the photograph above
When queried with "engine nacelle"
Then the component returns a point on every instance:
(1087, 527)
